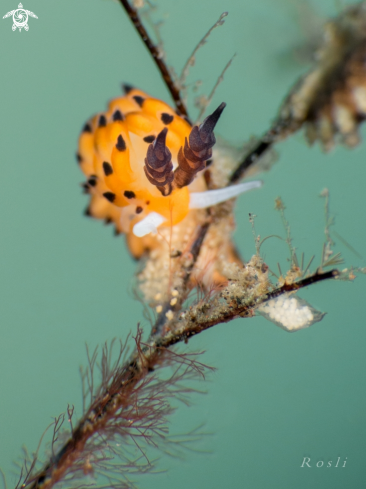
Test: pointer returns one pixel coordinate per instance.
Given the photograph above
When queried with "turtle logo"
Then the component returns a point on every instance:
(20, 18)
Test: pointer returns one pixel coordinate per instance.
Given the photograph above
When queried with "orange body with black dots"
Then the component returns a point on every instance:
(112, 152)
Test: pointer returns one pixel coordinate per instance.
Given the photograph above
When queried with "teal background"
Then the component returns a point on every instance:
(64, 279)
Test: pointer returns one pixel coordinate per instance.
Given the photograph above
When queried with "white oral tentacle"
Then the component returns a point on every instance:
(201, 200)
(148, 225)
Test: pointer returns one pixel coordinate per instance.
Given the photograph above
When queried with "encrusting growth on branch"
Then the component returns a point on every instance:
(206, 315)
(330, 100)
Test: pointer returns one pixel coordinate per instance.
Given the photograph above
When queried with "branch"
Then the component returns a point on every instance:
(195, 322)
(193, 254)
(157, 57)
(263, 145)
(116, 396)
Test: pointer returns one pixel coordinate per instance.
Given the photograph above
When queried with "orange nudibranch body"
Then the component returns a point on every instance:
(112, 151)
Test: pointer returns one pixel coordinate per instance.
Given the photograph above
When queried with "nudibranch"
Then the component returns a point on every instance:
(141, 160)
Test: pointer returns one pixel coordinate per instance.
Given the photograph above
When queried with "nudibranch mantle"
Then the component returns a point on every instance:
(141, 160)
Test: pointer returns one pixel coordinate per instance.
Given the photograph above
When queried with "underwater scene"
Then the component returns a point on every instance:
(171, 212)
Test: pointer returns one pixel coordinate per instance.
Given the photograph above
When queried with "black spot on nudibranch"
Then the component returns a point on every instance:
(110, 196)
(209, 162)
(149, 139)
(79, 158)
(87, 128)
(139, 210)
(87, 212)
(129, 194)
(121, 145)
(166, 118)
(148, 202)
(102, 121)
(139, 100)
(108, 170)
(127, 88)
(92, 182)
(117, 116)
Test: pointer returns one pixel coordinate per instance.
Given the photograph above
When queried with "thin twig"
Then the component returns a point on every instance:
(70, 414)
(191, 60)
(280, 206)
(208, 100)
(59, 421)
(308, 266)
(4, 479)
(29, 471)
(349, 246)
(157, 57)
(256, 238)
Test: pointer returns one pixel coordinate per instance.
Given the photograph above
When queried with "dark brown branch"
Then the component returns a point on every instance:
(156, 55)
(319, 276)
(263, 145)
(196, 246)
(194, 251)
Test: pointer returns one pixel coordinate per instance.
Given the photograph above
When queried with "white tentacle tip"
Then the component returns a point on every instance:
(201, 200)
(148, 225)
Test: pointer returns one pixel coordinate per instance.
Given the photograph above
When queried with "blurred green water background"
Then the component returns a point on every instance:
(64, 279)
